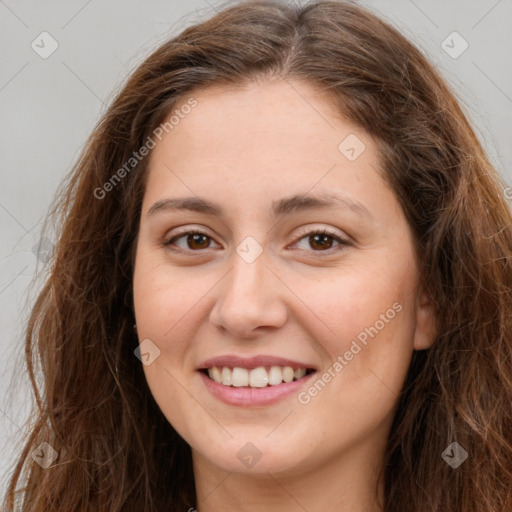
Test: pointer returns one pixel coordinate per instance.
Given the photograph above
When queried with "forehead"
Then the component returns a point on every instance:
(269, 122)
(258, 116)
(263, 142)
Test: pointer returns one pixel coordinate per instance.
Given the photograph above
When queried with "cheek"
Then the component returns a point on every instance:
(366, 316)
(162, 309)
(166, 308)
(165, 304)
(372, 319)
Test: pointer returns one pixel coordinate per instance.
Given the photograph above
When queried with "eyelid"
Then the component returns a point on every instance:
(307, 230)
(186, 230)
(343, 240)
(304, 232)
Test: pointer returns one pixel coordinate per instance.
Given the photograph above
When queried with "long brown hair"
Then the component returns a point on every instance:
(116, 451)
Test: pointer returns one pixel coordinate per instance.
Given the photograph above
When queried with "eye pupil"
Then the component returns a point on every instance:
(320, 239)
(196, 239)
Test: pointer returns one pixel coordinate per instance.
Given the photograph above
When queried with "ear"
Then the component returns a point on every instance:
(426, 323)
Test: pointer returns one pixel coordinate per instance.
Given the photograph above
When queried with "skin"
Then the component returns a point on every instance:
(244, 149)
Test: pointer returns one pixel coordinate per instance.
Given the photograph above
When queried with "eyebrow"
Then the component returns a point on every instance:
(280, 208)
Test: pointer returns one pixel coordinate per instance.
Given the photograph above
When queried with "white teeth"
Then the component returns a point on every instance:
(255, 378)
(275, 375)
(298, 374)
(287, 373)
(214, 374)
(226, 376)
(240, 377)
(258, 377)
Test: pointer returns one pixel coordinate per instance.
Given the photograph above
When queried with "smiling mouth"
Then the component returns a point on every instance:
(260, 377)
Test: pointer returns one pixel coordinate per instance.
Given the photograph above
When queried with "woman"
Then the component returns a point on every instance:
(283, 282)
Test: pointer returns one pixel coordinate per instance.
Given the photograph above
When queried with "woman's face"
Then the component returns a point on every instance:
(263, 291)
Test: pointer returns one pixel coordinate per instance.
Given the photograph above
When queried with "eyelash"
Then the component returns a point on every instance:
(341, 241)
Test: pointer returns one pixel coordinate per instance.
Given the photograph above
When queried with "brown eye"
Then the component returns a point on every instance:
(194, 241)
(197, 241)
(322, 241)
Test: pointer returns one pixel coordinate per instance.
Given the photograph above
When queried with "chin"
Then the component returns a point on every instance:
(257, 457)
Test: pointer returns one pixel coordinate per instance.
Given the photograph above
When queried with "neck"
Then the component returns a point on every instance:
(342, 484)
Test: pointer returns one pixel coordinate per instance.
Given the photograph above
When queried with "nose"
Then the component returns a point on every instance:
(250, 300)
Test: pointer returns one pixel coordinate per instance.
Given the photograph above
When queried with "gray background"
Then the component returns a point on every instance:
(49, 106)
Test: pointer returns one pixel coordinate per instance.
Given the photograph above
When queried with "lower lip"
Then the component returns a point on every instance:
(252, 397)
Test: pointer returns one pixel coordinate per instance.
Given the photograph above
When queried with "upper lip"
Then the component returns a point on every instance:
(252, 362)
